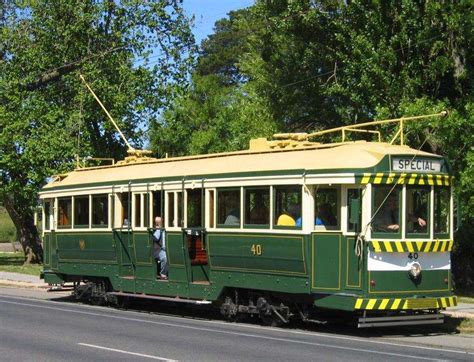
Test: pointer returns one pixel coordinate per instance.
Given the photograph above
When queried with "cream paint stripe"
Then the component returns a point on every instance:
(384, 303)
(376, 245)
(435, 249)
(388, 246)
(395, 304)
(430, 180)
(378, 178)
(412, 179)
(365, 179)
(410, 247)
(398, 245)
(358, 303)
(371, 304)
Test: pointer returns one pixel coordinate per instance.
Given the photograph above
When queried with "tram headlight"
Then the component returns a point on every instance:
(415, 270)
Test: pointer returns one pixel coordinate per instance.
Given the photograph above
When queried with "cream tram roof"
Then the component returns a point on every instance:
(349, 155)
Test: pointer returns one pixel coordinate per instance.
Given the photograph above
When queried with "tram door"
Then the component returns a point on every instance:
(194, 238)
(123, 237)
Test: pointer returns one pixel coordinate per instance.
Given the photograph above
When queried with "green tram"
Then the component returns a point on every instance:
(286, 229)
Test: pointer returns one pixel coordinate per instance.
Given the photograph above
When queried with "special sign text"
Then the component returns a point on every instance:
(416, 165)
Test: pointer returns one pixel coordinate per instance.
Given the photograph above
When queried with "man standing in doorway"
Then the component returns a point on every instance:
(159, 248)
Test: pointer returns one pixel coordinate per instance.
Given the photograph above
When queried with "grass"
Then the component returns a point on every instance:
(13, 262)
(7, 229)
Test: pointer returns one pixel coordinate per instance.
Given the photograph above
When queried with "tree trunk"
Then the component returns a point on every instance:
(27, 234)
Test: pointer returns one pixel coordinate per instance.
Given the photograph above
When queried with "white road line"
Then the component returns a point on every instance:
(235, 333)
(126, 352)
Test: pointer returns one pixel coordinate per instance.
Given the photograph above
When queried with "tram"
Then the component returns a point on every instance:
(290, 228)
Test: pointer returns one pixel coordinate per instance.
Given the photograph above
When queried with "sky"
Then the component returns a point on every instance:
(206, 13)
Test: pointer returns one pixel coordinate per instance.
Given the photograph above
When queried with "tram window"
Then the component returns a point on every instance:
(47, 213)
(125, 199)
(194, 208)
(386, 209)
(327, 208)
(287, 206)
(417, 209)
(170, 220)
(353, 194)
(180, 210)
(211, 208)
(138, 210)
(157, 206)
(441, 210)
(100, 211)
(257, 206)
(81, 211)
(228, 208)
(64, 212)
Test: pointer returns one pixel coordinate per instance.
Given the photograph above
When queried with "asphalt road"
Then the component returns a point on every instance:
(32, 329)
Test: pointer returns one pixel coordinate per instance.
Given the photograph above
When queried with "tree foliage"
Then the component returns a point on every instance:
(134, 54)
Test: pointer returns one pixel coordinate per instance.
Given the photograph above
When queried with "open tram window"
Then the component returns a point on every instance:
(64, 212)
(210, 214)
(257, 206)
(441, 210)
(81, 211)
(386, 209)
(138, 210)
(228, 207)
(47, 215)
(100, 211)
(126, 211)
(287, 206)
(180, 209)
(327, 205)
(354, 197)
(157, 206)
(170, 221)
(417, 210)
(194, 208)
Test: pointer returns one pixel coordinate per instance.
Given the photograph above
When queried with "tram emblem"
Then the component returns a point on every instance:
(82, 244)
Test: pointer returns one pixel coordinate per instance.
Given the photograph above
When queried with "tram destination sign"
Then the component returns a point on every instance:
(409, 164)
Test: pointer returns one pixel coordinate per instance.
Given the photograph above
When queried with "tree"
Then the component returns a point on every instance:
(135, 55)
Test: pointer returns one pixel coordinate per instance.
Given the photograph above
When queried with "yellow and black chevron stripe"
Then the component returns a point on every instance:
(383, 178)
(401, 246)
(404, 303)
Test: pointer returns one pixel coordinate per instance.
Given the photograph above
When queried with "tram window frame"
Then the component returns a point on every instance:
(442, 234)
(105, 216)
(211, 207)
(79, 209)
(410, 217)
(335, 213)
(68, 201)
(220, 191)
(277, 213)
(137, 210)
(170, 197)
(389, 233)
(247, 192)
